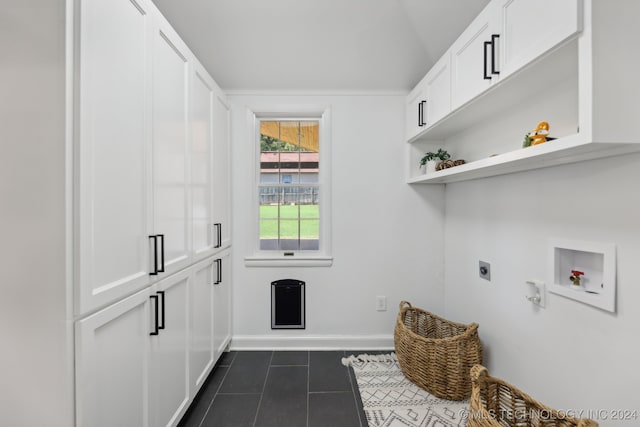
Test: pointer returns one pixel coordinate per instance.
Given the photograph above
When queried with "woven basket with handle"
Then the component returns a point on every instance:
(496, 403)
(436, 354)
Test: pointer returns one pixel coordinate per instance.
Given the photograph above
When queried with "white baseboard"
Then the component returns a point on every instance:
(306, 342)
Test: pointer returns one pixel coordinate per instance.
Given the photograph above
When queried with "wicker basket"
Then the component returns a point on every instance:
(436, 354)
(495, 403)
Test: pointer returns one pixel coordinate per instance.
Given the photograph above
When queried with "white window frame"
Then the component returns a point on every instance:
(322, 257)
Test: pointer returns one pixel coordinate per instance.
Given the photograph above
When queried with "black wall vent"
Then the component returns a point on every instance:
(287, 304)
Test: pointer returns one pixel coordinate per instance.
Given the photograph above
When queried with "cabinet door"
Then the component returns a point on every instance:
(471, 58)
(414, 111)
(170, 90)
(112, 350)
(113, 151)
(531, 28)
(201, 350)
(221, 171)
(204, 237)
(222, 303)
(168, 382)
(438, 88)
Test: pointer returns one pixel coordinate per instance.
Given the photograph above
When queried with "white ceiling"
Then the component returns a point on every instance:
(344, 45)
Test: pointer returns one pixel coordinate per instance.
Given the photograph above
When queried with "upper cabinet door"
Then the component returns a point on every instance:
(415, 110)
(204, 237)
(113, 150)
(531, 28)
(221, 171)
(474, 58)
(438, 89)
(170, 148)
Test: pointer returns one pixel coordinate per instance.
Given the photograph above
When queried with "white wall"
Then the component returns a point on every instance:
(378, 224)
(35, 364)
(569, 355)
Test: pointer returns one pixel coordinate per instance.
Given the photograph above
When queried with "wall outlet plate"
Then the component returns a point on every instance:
(484, 270)
(381, 303)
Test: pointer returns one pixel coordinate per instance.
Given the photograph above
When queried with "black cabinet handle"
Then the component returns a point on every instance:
(218, 272)
(486, 77)
(424, 104)
(161, 236)
(155, 255)
(494, 38)
(155, 326)
(218, 227)
(420, 114)
(161, 324)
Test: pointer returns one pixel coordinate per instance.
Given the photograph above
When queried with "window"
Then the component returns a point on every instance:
(289, 193)
(291, 201)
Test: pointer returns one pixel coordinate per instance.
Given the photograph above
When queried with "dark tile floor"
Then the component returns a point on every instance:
(279, 388)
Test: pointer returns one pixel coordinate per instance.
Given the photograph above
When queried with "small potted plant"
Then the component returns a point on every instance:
(431, 159)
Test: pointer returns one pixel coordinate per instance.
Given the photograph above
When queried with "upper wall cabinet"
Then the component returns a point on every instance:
(474, 65)
(504, 37)
(414, 110)
(528, 29)
(559, 72)
(438, 88)
(430, 100)
(113, 150)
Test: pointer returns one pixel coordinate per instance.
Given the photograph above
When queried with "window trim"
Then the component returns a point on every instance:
(323, 256)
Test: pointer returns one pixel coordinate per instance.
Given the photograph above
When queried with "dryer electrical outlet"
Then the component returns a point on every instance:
(484, 270)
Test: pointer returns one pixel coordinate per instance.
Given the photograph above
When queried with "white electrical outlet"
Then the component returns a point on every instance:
(381, 303)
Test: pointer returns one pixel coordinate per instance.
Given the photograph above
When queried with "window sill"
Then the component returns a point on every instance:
(281, 261)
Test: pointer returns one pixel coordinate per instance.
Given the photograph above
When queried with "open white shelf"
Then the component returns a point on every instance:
(557, 152)
(596, 260)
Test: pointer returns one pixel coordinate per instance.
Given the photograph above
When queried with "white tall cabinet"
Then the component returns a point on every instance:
(169, 117)
(113, 148)
(151, 238)
(221, 170)
(204, 233)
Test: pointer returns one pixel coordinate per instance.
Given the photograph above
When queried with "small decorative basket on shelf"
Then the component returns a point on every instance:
(436, 354)
(496, 403)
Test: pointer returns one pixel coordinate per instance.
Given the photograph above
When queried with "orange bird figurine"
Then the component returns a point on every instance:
(539, 135)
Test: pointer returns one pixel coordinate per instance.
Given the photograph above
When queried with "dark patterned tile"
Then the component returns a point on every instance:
(327, 373)
(290, 358)
(232, 410)
(227, 358)
(247, 373)
(333, 409)
(284, 401)
(196, 412)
